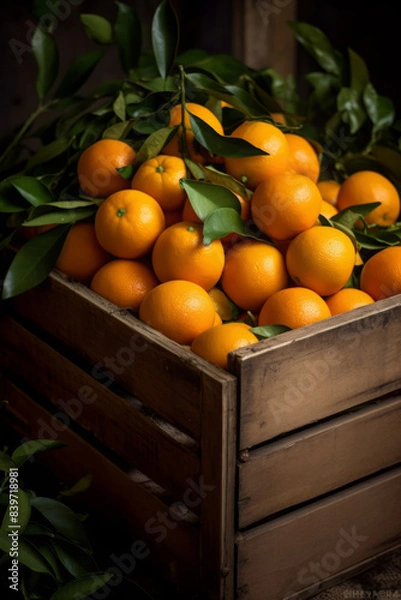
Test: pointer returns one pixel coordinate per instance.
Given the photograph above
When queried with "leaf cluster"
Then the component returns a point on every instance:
(54, 554)
(351, 126)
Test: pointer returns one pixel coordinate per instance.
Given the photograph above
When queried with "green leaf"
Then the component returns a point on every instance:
(33, 262)
(267, 331)
(319, 46)
(6, 239)
(220, 178)
(63, 519)
(128, 34)
(48, 553)
(81, 588)
(155, 143)
(35, 192)
(28, 555)
(71, 204)
(244, 101)
(119, 106)
(117, 131)
(221, 145)
(379, 108)
(165, 34)
(78, 73)
(17, 514)
(46, 55)
(353, 113)
(97, 28)
(28, 449)
(210, 86)
(60, 217)
(126, 172)
(207, 197)
(349, 216)
(325, 89)
(358, 70)
(6, 461)
(34, 528)
(9, 205)
(73, 558)
(48, 152)
(80, 486)
(221, 222)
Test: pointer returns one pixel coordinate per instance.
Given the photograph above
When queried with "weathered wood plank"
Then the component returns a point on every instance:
(112, 492)
(164, 375)
(261, 36)
(80, 397)
(218, 444)
(318, 460)
(317, 371)
(303, 548)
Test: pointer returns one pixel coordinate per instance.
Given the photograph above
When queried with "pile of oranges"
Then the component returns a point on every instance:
(144, 249)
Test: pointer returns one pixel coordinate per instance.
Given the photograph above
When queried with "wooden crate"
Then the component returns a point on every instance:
(271, 481)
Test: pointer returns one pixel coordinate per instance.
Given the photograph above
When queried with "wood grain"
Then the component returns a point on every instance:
(299, 550)
(261, 35)
(163, 374)
(318, 460)
(311, 373)
(112, 493)
(114, 421)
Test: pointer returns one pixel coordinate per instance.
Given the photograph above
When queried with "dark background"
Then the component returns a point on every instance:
(370, 29)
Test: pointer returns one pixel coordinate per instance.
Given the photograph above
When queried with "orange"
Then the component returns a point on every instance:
(160, 178)
(254, 169)
(328, 210)
(179, 253)
(294, 307)
(363, 187)
(81, 255)
(303, 157)
(175, 146)
(278, 118)
(222, 304)
(347, 299)
(381, 273)
(181, 310)
(188, 213)
(253, 271)
(124, 282)
(329, 190)
(215, 344)
(98, 164)
(285, 205)
(128, 223)
(322, 259)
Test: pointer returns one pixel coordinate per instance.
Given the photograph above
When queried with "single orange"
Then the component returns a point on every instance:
(285, 205)
(252, 170)
(216, 343)
(128, 223)
(98, 164)
(328, 210)
(253, 271)
(178, 115)
(321, 258)
(347, 299)
(294, 307)
(364, 187)
(329, 189)
(303, 157)
(160, 178)
(181, 310)
(81, 255)
(179, 253)
(381, 273)
(124, 282)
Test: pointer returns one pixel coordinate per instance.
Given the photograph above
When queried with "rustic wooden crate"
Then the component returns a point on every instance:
(271, 481)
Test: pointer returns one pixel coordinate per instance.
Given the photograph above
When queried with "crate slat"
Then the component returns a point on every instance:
(121, 427)
(301, 549)
(112, 492)
(317, 371)
(161, 373)
(284, 473)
